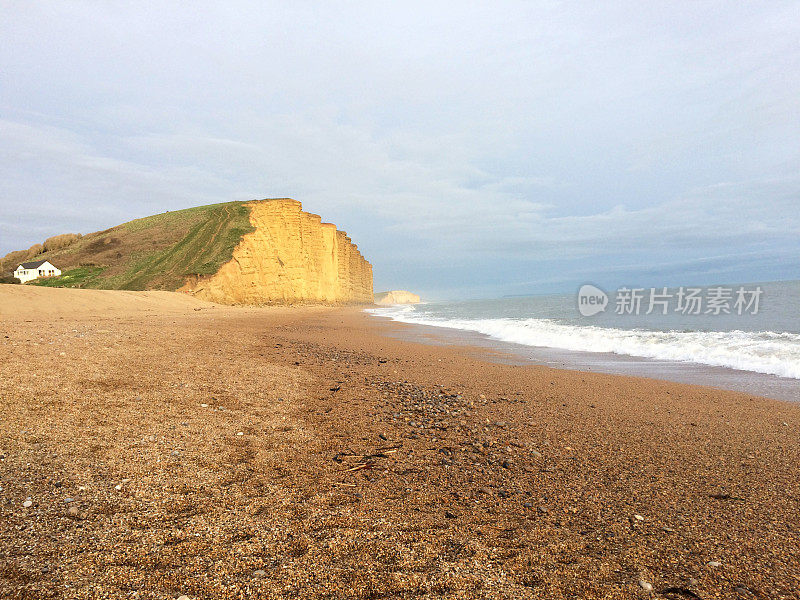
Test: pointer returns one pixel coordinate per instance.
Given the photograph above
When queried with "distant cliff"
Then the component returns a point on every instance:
(396, 297)
(290, 257)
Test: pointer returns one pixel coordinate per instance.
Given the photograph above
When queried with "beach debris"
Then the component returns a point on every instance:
(184, 597)
(679, 591)
(28, 503)
(645, 585)
(259, 573)
(714, 564)
(725, 496)
(240, 433)
(68, 500)
(638, 517)
(361, 466)
(73, 511)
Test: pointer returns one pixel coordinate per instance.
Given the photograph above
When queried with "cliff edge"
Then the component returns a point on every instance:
(396, 297)
(290, 257)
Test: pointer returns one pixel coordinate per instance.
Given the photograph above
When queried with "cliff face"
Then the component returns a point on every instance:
(291, 257)
(396, 297)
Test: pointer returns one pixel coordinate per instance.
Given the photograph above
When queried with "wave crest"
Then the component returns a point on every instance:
(759, 351)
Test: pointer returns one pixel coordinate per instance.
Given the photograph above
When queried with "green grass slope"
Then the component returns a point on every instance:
(156, 252)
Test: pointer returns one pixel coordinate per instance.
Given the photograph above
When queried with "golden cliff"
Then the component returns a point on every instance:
(396, 297)
(291, 257)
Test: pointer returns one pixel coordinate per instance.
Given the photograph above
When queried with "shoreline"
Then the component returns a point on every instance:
(720, 378)
(221, 452)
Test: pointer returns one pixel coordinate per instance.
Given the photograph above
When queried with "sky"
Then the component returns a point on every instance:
(470, 149)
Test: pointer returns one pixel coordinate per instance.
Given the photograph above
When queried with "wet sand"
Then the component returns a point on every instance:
(219, 452)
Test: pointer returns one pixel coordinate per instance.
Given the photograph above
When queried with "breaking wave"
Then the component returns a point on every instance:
(767, 352)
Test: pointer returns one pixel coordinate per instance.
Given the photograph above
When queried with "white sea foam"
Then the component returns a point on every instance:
(759, 351)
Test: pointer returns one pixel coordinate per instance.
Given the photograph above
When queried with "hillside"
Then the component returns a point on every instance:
(153, 253)
(293, 257)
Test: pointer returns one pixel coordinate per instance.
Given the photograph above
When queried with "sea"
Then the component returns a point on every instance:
(743, 337)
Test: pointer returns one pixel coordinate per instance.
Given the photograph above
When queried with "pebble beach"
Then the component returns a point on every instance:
(155, 446)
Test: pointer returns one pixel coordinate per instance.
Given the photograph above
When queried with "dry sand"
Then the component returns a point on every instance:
(220, 452)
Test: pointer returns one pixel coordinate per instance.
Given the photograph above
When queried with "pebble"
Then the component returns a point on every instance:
(638, 517)
(68, 500)
(28, 503)
(536, 454)
(259, 573)
(240, 433)
(645, 585)
(73, 511)
(184, 597)
(118, 487)
(714, 564)
(204, 405)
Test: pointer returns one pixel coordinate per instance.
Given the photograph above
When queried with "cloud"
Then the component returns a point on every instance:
(466, 147)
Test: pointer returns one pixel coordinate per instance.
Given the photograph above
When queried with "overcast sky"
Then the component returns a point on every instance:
(468, 149)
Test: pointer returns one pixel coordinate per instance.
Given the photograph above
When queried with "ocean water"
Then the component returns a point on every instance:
(762, 340)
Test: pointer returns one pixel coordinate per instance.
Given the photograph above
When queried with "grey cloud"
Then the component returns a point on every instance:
(526, 133)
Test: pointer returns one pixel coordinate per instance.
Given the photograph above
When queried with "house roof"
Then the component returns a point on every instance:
(33, 265)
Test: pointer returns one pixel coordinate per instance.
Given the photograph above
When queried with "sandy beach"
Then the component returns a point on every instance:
(153, 445)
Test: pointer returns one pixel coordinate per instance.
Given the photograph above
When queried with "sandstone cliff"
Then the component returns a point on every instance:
(396, 297)
(291, 257)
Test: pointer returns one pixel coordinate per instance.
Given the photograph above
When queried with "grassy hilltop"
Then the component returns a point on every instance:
(153, 253)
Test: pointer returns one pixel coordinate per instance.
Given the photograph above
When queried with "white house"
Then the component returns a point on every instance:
(33, 270)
